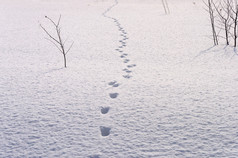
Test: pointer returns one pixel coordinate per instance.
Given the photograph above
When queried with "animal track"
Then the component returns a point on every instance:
(121, 41)
(113, 84)
(116, 85)
(105, 131)
(113, 95)
(123, 55)
(104, 110)
(132, 65)
(119, 50)
(126, 60)
(127, 76)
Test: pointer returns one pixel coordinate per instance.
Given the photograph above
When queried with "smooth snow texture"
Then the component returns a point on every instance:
(139, 83)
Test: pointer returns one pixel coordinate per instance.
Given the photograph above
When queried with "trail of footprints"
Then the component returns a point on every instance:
(105, 131)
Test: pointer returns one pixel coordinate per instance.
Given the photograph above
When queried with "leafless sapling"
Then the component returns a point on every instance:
(57, 41)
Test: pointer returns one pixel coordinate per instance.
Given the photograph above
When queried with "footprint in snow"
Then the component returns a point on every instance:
(113, 84)
(113, 95)
(124, 35)
(122, 42)
(132, 65)
(126, 60)
(128, 71)
(123, 55)
(116, 85)
(127, 76)
(104, 110)
(119, 50)
(105, 131)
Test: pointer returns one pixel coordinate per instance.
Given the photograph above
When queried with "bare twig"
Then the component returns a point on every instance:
(69, 48)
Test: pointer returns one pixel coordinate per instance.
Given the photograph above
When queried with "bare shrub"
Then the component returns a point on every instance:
(223, 16)
(57, 41)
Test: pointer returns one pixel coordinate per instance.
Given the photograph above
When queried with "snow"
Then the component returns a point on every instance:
(139, 83)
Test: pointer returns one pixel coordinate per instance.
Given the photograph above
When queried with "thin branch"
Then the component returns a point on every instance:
(59, 20)
(54, 44)
(69, 48)
(49, 34)
(65, 41)
(51, 21)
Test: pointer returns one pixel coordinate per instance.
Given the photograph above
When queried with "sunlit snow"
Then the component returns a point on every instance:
(139, 82)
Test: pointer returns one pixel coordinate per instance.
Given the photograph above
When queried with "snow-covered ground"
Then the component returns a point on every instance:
(139, 83)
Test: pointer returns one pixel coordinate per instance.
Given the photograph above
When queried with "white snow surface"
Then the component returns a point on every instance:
(165, 93)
